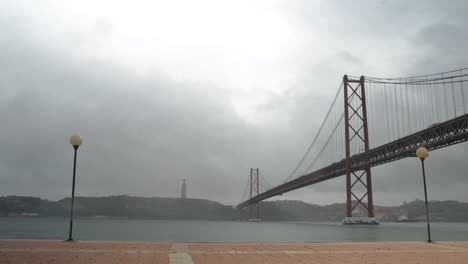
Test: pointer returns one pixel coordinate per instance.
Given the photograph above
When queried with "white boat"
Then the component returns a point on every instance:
(360, 221)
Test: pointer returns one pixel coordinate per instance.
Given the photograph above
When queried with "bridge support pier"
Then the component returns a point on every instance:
(254, 215)
(358, 183)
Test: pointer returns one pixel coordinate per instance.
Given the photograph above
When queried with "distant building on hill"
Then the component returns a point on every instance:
(183, 192)
(383, 214)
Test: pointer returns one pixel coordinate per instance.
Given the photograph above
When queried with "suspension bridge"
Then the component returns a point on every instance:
(373, 121)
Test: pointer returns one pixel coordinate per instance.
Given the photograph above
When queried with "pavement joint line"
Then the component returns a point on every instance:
(437, 245)
(321, 243)
(53, 250)
(327, 251)
(181, 251)
(179, 247)
(180, 254)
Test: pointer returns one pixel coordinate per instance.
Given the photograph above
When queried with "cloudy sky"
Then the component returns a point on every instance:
(205, 90)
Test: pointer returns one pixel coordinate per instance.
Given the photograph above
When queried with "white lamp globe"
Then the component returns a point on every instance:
(76, 140)
(422, 153)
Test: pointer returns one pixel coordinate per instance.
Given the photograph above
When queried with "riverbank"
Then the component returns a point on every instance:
(230, 232)
(46, 251)
(160, 208)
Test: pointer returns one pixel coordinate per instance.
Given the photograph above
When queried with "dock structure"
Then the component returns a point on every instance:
(44, 251)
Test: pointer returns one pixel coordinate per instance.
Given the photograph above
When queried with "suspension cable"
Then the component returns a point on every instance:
(316, 135)
(414, 77)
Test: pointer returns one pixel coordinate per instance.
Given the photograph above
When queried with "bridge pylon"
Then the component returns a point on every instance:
(358, 182)
(254, 208)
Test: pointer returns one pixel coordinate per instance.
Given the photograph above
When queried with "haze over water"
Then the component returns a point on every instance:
(222, 231)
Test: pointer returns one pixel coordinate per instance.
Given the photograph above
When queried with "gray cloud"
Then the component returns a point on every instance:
(144, 133)
(141, 135)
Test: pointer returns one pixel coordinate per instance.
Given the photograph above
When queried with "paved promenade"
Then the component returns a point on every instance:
(28, 251)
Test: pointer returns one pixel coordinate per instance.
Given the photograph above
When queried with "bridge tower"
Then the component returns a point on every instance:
(358, 183)
(254, 191)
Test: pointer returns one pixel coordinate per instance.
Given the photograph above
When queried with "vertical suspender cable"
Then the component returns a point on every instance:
(375, 112)
(392, 112)
(396, 110)
(440, 114)
(418, 94)
(408, 109)
(374, 117)
(433, 103)
(332, 146)
(402, 109)
(445, 98)
(462, 95)
(316, 135)
(421, 106)
(387, 110)
(454, 100)
(382, 114)
(370, 114)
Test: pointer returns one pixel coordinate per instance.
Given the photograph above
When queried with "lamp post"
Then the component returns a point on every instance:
(76, 141)
(422, 153)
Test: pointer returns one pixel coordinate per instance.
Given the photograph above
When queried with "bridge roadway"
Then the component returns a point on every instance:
(437, 136)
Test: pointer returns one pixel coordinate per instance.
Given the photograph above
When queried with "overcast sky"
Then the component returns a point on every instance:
(205, 90)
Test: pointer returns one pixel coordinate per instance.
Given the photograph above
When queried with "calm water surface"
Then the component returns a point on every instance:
(208, 231)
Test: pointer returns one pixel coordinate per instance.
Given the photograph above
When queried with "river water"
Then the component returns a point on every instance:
(210, 231)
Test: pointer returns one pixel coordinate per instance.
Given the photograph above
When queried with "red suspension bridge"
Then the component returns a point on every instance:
(373, 121)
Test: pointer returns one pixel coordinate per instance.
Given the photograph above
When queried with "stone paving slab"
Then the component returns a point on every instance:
(215, 247)
(38, 252)
(180, 254)
(81, 257)
(327, 258)
(457, 244)
(84, 245)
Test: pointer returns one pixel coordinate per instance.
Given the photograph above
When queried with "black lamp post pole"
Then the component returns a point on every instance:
(427, 206)
(70, 239)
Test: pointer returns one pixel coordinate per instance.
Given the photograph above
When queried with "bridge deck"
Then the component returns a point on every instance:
(441, 135)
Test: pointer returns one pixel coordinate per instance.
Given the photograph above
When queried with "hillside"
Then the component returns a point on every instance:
(131, 207)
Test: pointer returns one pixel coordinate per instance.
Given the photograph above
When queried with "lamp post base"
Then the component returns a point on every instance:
(69, 240)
